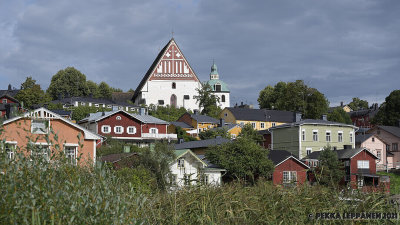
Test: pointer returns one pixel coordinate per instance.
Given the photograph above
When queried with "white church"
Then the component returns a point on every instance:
(170, 80)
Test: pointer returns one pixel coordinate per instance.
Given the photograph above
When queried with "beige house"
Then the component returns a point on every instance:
(391, 136)
(378, 147)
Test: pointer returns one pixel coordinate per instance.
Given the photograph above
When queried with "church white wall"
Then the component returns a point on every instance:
(162, 90)
(227, 102)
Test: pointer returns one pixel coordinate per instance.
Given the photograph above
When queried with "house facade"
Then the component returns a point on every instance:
(170, 80)
(391, 136)
(288, 169)
(306, 136)
(378, 147)
(362, 118)
(260, 119)
(8, 104)
(219, 88)
(198, 122)
(52, 133)
(141, 129)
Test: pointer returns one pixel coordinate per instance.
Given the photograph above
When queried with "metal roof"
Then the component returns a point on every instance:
(201, 143)
(313, 122)
(142, 118)
(262, 115)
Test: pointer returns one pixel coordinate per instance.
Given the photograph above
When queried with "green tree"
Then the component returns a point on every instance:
(389, 111)
(330, 170)
(68, 82)
(31, 93)
(181, 134)
(249, 132)
(80, 112)
(294, 96)
(105, 90)
(243, 159)
(93, 89)
(213, 133)
(358, 104)
(208, 101)
(339, 115)
(167, 113)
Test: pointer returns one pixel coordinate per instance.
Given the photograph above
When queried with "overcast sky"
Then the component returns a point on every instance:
(344, 48)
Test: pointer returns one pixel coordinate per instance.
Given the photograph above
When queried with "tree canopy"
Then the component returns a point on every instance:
(339, 115)
(243, 159)
(358, 104)
(31, 93)
(294, 96)
(249, 132)
(330, 171)
(213, 133)
(167, 113)
(389, 111)
(208, 101)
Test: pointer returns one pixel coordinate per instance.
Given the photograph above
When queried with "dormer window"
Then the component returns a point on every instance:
(39, 126)
(173, 85)
(217, 87)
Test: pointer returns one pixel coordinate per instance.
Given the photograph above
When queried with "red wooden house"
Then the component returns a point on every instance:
(360, 168)
(288, 169)
(138, 128)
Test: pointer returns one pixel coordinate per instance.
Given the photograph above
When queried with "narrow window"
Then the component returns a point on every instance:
(262, 125)
(223, 98)
(328, 136)
(181, 163)
(303, 135)
(173, 85)
(315, 135)
(131, 130)
(118, 129)
(351, 137)
(340, 136)
(378, 154)
(395, 147)
(70, 154)
(253, 125)
(309, 150)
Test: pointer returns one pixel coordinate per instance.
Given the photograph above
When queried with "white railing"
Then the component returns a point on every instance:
(159, 136)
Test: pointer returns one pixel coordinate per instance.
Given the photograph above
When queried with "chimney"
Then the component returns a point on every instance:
(324, 117)
(221, 122)
(341, 104)
(142, 111)
(9, 87)
(298, 117)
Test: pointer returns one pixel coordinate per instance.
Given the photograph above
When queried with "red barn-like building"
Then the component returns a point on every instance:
(288, 169)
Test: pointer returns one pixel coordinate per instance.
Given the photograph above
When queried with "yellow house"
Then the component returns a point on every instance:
(194, 123)
(260, 119)
(233, 129)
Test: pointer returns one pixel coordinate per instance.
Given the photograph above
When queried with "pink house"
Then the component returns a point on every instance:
(391, 136)
(378, 147)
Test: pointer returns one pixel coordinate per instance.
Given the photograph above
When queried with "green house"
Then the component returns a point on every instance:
(306, 136)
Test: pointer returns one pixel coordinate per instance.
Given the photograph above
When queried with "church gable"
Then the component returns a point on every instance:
(172, 65)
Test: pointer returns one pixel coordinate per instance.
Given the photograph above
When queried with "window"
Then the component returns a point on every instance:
(41, 151)
(199, 130)
(233, 136)
(133, 109)
(4, 101)
(315, 135)
(82, 103)
(186, 97)
(106, 129)
(186, 179)
(378, 154)
(173, 85)
(362, 164)
(303, 135)
(226, 114)
(262, 125)
(328, 136)
(206, 179)
(154, 130)
(131, 130)
(118, 118)
(253, 125)
(109, 106)
(181, 163)
(373, 139)
(204, 129)
(223, 98)
(289, 176)
(308, 150)
(218, 87)
(273, 124)
(96, 105)
(118, 129)
(39, 126)
(351, 137)
(174, 177)
(395, 147)
(10, 150)
(242, 124)
(387, 147)
(340, 136)
(70, 153)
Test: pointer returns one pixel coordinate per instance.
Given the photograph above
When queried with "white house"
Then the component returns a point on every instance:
(189, 169)
(170, 80)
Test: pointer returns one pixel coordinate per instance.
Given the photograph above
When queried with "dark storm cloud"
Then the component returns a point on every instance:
(343, 48)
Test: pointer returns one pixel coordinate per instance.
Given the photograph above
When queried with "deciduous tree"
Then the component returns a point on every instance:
(31, 93)
(358, 104)
(330, 170)
(339, 115)
(389, 111)
(208, 101)
(68, 82)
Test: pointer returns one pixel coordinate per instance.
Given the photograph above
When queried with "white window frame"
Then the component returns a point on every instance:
(83, 103)
(315, 135)
(118, 118)
(155, 129)
(4, 101)
(351, 136)
(262, 125)
(289, 176)
(131, 127)
(273, 124)
(39, 131)
(254, 125)
(9, 148)
(104, 126)
(74, 154)
(362, 164)
(233, 136)
(206, 179)
(340, 136)
(308, 151)
(181, 163)
(303, 134)
(109, 106)
(45, 153)
(328, 138)
(96, 105)
(118, 132)
(378, 154)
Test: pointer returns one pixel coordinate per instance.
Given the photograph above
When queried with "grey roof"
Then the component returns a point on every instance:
(277, 156)
(209, 164)
(262, 132)
(201, 143)
(71, 100)
(181, 124)
(361, 137)
(116, 157)
(10, 93)
(363, 112)
(391, 129)
(227, 126)
(142, 118)
(204, 118)
(262, 115)
(342, 154)
(312, 121)
(61, 112)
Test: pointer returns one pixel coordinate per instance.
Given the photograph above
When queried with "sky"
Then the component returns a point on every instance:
(344, 48)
